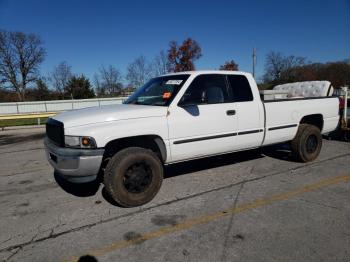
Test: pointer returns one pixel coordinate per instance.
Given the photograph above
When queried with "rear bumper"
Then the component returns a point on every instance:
(74, 164)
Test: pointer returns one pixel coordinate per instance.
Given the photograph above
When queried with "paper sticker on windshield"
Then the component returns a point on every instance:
(173, 82)
(166, 95)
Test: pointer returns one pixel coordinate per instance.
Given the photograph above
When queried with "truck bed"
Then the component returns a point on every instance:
(282, 116)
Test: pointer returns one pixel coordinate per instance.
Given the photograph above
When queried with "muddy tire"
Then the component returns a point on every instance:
(133, 176)
(307, 144)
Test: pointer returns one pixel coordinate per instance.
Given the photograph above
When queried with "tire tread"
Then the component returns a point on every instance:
(298, 142)
(109, 174)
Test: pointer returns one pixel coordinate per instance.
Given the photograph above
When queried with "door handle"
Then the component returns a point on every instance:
(230, 112)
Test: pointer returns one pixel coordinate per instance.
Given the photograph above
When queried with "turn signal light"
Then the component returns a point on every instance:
(85, 141)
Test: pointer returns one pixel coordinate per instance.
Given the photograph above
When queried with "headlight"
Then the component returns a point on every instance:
(79, 142)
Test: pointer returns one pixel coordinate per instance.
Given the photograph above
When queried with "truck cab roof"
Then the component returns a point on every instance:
(200, 72)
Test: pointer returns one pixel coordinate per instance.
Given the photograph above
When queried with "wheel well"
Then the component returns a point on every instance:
(316, 120)
(153, 142)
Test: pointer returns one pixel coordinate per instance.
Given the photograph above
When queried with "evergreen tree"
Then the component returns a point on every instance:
(79, 87)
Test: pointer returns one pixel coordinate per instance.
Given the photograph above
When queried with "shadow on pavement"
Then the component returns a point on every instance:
(79, 190)
(14, 139)
(199, 165)
(87, 258)
(211, 162)
(281, 152)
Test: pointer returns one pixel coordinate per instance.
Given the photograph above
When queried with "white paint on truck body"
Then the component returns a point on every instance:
(207, 129)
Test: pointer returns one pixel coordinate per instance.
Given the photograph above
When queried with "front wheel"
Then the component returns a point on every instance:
(133, 176)
(307, 144)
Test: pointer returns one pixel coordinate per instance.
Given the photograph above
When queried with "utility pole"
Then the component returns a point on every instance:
(254, 61)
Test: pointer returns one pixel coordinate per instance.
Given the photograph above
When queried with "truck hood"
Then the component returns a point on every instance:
(108, 113)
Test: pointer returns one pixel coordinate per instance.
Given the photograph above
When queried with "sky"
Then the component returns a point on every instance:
(88, 34)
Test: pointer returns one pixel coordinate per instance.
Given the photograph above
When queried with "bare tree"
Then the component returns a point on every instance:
(278, 67)
(2, 82)
(160, 64)
(229, 65)
(139, 72)
(108, 81)
(60, 77)
(20, 57)
(338, 73)
(181, 58)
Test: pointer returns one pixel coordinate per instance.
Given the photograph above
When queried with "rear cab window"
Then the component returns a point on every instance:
(239, 88)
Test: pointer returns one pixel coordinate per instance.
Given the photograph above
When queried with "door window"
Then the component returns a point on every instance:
(206, 89)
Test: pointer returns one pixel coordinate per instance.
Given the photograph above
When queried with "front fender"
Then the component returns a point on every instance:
(111, 130)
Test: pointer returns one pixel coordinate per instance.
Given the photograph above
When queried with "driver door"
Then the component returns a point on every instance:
(204, 122)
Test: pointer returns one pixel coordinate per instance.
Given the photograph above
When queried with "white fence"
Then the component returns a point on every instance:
(55, 105)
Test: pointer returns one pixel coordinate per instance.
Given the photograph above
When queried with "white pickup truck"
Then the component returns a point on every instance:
(179, 117)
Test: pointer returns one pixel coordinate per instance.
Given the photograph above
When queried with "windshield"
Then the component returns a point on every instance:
(159, 91)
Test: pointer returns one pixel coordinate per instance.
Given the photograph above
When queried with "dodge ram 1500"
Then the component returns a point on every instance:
(179, 117)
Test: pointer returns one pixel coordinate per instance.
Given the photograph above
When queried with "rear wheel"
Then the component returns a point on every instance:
(133, 176)
(307, 144)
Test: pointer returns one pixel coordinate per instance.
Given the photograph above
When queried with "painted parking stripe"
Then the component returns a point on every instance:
(204, 219)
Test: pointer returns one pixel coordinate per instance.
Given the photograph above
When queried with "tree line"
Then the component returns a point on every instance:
(281, 69)
(21, 55)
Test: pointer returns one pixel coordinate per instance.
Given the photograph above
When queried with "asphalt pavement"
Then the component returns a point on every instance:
(248, 206)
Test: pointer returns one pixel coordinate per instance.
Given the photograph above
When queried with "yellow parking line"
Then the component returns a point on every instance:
(211, 217)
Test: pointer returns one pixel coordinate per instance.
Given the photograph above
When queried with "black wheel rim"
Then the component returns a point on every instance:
(311, 144)
(137, 178)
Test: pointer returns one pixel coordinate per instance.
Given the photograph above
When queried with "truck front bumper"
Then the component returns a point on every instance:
(75, 165)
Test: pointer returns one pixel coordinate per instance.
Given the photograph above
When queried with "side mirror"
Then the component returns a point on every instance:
(190, 108)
